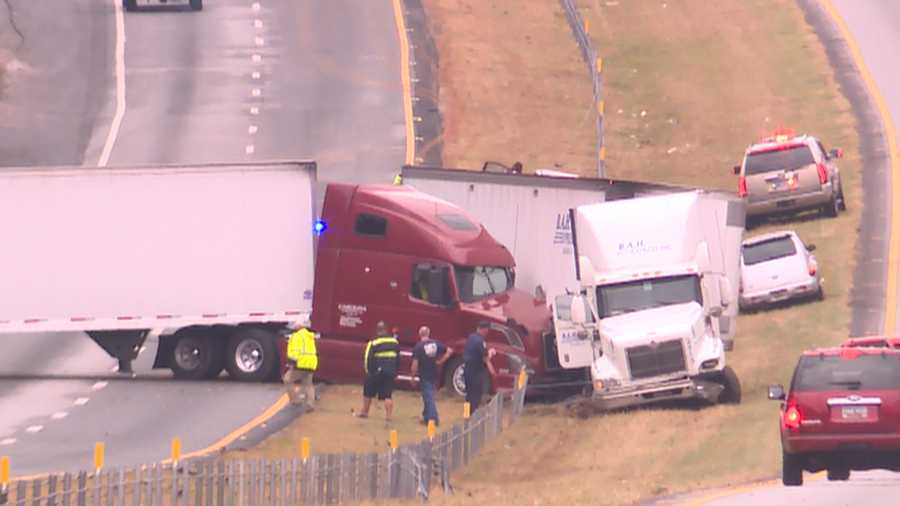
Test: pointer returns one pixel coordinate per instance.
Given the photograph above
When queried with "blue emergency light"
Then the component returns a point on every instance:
(319, 227)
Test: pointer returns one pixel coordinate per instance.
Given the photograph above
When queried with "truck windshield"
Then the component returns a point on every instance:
(476, 283)
(621, 298)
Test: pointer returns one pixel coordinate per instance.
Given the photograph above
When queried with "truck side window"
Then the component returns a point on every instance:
(370, 224)
(431, 284)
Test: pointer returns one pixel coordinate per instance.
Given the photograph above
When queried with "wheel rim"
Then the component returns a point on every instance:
(187, 355)
(459, 380)
(249, 356)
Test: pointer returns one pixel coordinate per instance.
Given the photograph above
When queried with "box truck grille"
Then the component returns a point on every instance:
(657, 359)
(551, 354)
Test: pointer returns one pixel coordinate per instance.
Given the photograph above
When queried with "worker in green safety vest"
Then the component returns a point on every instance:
(381, 362)
(302, 364)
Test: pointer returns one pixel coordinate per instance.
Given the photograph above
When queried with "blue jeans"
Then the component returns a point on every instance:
(429, 408)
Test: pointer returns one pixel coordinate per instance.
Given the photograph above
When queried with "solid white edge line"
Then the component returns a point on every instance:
(120, 86)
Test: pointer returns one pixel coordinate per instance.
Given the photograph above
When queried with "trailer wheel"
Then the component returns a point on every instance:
(196, 5)
(732, 392)
(251, 355)
(129, 5)
(193, 356)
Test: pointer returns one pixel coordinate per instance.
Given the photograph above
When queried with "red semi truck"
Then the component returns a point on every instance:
(215, 261)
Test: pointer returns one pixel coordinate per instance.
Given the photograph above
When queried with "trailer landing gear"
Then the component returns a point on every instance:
(122, 345)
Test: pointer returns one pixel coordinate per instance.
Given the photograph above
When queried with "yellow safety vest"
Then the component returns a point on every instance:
(381, 348)
(302, 349)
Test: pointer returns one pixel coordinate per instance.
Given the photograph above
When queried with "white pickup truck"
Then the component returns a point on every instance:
(659, 278)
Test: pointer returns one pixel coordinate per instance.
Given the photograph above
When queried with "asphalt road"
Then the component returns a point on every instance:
(241, 80)
(873, 24)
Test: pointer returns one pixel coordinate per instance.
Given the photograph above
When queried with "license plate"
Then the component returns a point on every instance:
(854, 412)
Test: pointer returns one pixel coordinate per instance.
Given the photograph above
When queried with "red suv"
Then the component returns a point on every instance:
(842, 413)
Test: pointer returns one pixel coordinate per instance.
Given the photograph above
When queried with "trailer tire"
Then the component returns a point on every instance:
(251, 355)
(129, 5)
(196, 5)
(732, 392)
(193, 355)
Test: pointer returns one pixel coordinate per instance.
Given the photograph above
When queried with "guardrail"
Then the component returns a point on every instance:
(595, 67)
(407, 471)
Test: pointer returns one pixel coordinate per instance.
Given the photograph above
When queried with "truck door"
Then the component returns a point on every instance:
(574, 343)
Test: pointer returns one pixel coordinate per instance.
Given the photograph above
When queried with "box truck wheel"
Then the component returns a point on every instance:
(455, 382)
(196, 5)
(251, 354)
(129, 5)
(732, 392)
(194, 356)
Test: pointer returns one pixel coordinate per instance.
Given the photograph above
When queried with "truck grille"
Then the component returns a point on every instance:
(551, 354)
(655, 360)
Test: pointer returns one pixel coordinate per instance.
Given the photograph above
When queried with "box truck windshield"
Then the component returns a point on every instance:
(638, 295)
(482, 281)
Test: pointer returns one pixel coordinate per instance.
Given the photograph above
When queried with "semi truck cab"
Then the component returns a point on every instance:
(394, 254)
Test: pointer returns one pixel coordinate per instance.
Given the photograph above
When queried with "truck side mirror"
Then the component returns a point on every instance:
(725, 290)
(810, 247)
(585, 269)
(737, 170)
(776, 393)
(836, 153)
(579, 315)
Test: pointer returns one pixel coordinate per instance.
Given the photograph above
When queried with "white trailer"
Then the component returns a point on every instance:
(216, 258)
(659, 276)
(528, 214)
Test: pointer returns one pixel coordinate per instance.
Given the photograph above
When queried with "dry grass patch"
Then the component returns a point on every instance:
(688, 85)
(512, 85)
(332, 429)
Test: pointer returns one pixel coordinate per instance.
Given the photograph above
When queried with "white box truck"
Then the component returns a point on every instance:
(658, 298)
(197, 252)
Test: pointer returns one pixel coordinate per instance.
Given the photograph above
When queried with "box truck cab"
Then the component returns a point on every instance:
(658, 276)
(394, 254)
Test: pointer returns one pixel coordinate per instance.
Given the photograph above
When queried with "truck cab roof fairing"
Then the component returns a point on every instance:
(418, 224)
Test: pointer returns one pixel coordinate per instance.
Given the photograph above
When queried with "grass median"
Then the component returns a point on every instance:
(688, 85)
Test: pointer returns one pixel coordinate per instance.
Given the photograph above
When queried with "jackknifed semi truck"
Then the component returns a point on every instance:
(218, 261)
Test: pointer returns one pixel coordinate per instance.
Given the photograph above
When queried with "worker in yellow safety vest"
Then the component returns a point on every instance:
(381, 362)
(302, 364)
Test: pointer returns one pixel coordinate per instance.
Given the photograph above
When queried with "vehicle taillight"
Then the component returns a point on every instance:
(792, 415)
(812, 267)
(823, 173)
(742, 186)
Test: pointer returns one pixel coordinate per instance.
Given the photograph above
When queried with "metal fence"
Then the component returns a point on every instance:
(408, 471)
(595, 67)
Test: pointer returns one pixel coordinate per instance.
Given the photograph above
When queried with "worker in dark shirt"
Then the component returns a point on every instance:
(381, 362)
(428, 356)
(477, 358)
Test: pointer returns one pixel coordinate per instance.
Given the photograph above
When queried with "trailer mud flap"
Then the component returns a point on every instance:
(122, 345)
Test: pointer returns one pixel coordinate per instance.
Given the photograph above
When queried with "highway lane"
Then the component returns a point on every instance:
(873, 24)
(242, 80)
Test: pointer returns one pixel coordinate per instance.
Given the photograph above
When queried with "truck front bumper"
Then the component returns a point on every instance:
(682, 389)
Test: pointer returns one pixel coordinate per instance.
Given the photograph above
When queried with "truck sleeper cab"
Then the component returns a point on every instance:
(397, 255)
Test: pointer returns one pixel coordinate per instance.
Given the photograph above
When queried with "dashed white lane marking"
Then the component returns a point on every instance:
(252, 129)
(120, 86)
(254, 110)
(8, 441)
(81, 401)
(250, 149)
(59, 415)
(99, 385)
(33, 429)
(256, 75)
(256, 58)
(259, 41)
(256, 92)
(256, 6)
(258, 23)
